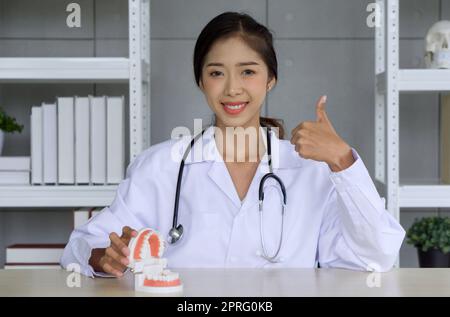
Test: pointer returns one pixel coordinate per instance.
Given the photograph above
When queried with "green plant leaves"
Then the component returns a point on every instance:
(430, 233)
(9, 124)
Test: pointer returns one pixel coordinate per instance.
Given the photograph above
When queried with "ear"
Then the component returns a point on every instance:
(200, 84)
(271, 83)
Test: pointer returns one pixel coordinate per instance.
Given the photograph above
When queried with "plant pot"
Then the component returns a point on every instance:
(2, 138)
(433, 258)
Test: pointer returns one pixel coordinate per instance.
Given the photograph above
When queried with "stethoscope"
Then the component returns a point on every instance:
(176, 232)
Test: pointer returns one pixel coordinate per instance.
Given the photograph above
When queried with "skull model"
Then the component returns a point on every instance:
(437, 45)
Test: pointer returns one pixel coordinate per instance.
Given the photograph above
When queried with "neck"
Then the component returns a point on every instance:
(240, 144)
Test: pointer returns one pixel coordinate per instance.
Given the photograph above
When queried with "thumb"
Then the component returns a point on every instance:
(320, 109)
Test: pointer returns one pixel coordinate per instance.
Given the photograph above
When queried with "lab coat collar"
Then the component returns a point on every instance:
(205, 149)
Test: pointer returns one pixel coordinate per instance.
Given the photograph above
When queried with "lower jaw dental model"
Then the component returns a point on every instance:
(150, 273)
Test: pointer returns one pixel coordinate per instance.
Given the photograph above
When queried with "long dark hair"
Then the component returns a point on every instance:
(256, 35)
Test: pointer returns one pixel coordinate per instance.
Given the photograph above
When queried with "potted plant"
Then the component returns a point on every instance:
(7, 125)
(431, 237)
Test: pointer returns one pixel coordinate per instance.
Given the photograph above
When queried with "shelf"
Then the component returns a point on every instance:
(424, 196)
(418, 80)
(134, 71)
(424, 80)
(57, 196)
(68, 70)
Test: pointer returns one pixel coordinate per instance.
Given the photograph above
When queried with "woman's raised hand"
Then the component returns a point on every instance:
(318, 140)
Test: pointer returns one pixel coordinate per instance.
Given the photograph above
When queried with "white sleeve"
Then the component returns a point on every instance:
(357, 232)
(95, 233)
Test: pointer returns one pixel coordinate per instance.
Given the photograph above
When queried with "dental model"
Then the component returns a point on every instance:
(150, 273)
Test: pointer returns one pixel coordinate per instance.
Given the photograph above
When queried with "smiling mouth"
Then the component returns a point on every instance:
(234, 108)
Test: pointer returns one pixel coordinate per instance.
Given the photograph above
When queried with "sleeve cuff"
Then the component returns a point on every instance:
(84, 251)
(355, 173)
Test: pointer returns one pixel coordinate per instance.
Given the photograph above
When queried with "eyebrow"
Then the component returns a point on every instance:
(238, 64)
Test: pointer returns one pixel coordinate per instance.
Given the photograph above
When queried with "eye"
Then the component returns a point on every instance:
(215, 73)
(248, 72)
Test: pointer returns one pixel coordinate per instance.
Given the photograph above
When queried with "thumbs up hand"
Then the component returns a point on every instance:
(318, 140)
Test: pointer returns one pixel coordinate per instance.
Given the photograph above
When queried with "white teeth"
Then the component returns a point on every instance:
(144, 252)
(165, 276)
(235, 107)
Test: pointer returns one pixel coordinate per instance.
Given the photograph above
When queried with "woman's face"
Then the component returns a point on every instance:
(235, 82)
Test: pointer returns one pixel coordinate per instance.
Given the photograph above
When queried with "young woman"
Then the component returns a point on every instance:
(333, 216)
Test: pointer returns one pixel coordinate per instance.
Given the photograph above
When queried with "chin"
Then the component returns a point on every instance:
(235, 122)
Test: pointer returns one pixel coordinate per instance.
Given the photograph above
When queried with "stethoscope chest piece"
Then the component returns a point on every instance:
(175, 234)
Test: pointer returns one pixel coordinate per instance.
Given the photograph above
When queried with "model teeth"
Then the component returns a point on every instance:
(149, 268)
(145, 252)
(165, 276)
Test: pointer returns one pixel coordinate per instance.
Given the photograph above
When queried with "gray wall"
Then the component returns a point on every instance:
(324, 47)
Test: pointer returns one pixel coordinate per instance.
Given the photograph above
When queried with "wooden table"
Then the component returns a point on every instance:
(239, 282)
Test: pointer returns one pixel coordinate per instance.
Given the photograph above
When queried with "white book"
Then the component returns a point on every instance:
(66, 142)
(14, 177)
(98, 139)
(36, 145)
(34, 253)
(115, 136)
(14, 163)
(82, 174)
(49, 141)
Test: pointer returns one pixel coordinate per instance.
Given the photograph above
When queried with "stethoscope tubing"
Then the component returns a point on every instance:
(176, 232)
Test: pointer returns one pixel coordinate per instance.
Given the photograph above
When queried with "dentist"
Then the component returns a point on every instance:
(333, 216)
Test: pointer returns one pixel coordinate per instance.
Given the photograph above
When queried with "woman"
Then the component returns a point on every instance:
(334, 216)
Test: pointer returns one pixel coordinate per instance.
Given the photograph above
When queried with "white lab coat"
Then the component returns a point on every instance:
(336, 219)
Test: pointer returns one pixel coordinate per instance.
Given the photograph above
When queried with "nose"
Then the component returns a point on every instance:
(233, 87)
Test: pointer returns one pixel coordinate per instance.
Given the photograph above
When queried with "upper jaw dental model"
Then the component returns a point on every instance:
(150, 273)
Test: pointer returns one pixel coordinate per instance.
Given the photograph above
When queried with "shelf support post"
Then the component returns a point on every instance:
(392, 101)
(380, 104)
(139, 53)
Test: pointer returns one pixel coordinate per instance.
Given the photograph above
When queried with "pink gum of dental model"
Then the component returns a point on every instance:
(147, 243)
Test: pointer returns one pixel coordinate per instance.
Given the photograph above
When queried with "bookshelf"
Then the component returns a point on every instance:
(57, 196)
(390, 81)
(68, 70)
(134, 70)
